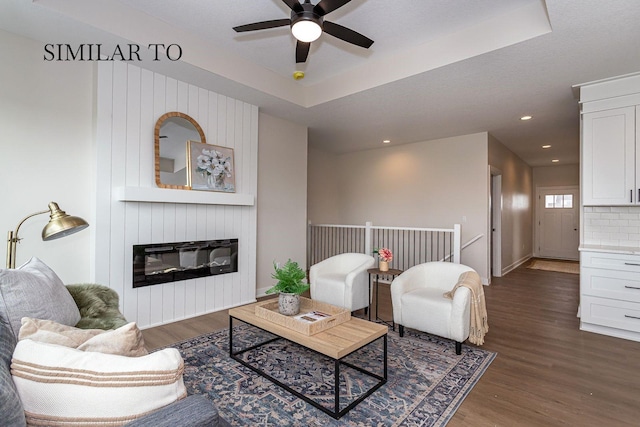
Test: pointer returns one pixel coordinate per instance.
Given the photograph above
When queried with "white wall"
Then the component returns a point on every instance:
(517, 208)
(324, 183)
(129, 102)
(282, 196)
(46, 152)
(556, 176)
(427, 184)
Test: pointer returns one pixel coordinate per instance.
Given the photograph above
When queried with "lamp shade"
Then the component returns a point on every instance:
(60, 224)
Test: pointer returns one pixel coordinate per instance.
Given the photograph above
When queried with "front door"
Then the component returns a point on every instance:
(558, 222)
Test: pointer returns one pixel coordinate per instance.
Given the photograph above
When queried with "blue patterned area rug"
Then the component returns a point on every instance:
(426, 383)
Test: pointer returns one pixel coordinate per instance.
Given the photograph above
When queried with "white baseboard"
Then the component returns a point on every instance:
(516, 264)
(612, 332)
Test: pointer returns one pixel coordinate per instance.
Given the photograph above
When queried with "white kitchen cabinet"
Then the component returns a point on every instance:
(610, 177)
(610, 136)
(610, 293)
(610, 153)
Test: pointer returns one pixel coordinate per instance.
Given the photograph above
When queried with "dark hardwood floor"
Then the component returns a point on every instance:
(547, 372)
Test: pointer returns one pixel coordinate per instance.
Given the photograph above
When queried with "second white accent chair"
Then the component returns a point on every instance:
(419, 303)
(342, 280)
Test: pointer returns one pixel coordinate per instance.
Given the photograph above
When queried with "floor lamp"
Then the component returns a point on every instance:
(60, 224)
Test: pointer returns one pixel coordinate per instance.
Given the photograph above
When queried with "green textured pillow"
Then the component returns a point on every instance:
(98, 305)
(34, 290)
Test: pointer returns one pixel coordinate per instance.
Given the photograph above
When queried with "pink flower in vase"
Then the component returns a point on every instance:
(385, 254)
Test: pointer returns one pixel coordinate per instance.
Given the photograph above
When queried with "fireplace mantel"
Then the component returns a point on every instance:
(164, 195)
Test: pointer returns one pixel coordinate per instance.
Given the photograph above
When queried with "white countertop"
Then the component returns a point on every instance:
(610, 249)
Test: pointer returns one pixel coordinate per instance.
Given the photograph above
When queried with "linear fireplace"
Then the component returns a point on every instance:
(171, 262)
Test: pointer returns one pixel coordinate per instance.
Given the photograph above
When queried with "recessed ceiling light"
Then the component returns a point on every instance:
(555, 161)
(546, 146)
(386, 141)
(526, 118)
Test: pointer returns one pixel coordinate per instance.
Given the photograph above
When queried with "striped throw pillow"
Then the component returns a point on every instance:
(64, 386)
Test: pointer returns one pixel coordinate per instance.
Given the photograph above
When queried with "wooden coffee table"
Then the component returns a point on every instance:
(336, 343)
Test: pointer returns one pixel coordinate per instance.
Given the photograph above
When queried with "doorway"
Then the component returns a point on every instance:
(557, 222)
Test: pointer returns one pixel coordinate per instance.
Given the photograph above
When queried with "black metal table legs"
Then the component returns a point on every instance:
(336, 412)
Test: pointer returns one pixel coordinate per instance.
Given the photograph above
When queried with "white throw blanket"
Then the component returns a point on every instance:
(479, 324)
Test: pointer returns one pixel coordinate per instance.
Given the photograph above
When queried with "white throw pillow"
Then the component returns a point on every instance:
(64, 386)
(126, 340)
(34, 290)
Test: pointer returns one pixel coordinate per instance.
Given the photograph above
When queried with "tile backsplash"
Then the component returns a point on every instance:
(612, 225)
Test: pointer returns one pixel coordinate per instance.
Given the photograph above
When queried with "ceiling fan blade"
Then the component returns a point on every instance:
(263, 25)
(293, 5)
(327, 6)
(302, 51)
(347, 34)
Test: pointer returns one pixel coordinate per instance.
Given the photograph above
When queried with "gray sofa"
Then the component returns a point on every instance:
(194, 410)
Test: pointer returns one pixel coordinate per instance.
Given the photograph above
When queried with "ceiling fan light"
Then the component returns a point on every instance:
(306, 30)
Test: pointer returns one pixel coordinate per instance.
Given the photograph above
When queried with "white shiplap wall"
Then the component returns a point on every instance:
(129, 101)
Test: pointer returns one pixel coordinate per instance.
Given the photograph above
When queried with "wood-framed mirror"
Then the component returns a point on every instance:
(171, 134)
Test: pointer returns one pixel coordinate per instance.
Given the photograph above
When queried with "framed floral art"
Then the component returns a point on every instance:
(211, 167)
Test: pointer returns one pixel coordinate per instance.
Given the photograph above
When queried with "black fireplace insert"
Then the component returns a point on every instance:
(171, 262)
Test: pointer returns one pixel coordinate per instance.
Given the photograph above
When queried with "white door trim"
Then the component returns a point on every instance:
(495, 223)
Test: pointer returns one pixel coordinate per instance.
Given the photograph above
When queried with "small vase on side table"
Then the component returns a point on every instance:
(383, 265)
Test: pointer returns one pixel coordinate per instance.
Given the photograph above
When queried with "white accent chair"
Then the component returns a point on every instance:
(418, 301)
(342, 280)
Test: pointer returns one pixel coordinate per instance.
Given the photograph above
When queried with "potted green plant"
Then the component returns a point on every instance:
(290, 285)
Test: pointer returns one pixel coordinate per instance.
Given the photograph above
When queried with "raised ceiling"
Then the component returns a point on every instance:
(438, 68)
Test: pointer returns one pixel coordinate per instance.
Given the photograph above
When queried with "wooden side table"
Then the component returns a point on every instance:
(377, 272)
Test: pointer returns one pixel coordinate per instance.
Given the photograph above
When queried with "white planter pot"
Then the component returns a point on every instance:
(288, 304)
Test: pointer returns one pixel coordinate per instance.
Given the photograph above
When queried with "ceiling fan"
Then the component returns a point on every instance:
(307, 24)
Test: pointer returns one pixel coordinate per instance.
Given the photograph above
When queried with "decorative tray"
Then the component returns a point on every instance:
(314, 316)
